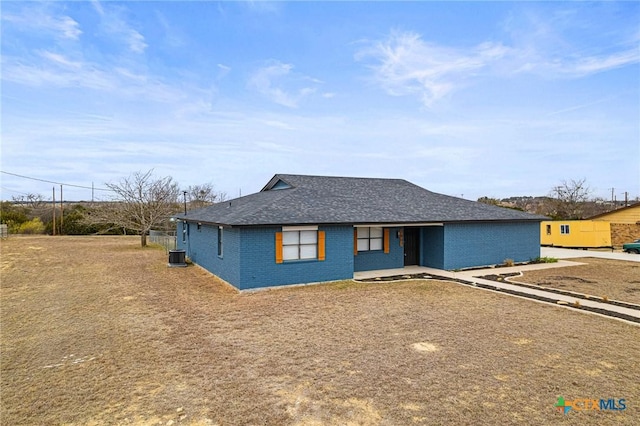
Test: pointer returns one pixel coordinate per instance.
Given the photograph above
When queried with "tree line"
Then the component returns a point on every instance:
(569, 200)
(140, 202)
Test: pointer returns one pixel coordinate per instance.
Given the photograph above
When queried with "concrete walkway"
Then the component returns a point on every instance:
(472, 277)
(564, 253)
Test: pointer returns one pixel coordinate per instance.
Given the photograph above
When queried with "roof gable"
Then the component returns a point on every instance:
(628, 214)
(276, 183)
(303, 199)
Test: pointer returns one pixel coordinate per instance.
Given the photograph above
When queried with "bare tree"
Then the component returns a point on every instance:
(568, 199)
(200, 196)
(142, 202)
(32, 201)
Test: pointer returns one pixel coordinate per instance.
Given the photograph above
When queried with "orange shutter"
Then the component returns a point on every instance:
(385, 241)
(355, 241)
(279, 256)
(321, 255)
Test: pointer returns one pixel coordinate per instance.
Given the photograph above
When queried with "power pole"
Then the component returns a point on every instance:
(612, 199)
(184, 194)
(626, 198)
(61, 211)
(54, 210)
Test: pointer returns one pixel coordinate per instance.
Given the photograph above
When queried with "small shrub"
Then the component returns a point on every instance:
(33, 226)
(544, 260)
(577, 304)
(508, 262)
(605, 299)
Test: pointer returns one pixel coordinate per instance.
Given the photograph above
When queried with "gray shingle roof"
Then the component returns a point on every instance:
(333, 200)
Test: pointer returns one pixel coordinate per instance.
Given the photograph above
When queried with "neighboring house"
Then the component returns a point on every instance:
(305, 229)
(575, 233)
(624, 222)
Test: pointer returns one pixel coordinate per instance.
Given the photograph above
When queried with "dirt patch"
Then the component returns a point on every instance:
(425, 347)
(98, 331)
(613, 279)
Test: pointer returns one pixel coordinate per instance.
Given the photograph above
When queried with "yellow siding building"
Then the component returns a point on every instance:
(629, 215)
(625, 224)
(575, 233)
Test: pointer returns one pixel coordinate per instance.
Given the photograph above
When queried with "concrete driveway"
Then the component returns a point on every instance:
(564, 253)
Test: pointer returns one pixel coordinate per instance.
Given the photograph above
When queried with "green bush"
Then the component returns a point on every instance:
(33, 226)
(544, 260)
(13, 216)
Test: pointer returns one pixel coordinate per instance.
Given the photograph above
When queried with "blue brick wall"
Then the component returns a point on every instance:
(248, 259)
(202, 248)
(432, 247)
(180, 243)
(479, 244)
(378, 259)
(259, 267)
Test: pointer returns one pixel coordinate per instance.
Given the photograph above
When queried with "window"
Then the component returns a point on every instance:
(299, 244)
(548, 229)
(369, 239)
(564, 229)
(184, 232)
(220, 241)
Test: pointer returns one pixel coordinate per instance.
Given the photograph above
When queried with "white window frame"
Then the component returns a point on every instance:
(368, 240)
(220, 241)
(565, 230)
(299, 243)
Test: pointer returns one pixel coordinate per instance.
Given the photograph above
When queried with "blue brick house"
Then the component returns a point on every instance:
(304, 229)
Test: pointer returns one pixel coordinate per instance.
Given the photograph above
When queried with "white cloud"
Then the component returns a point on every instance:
(60, 60)
(568, 43)
(595, 64)
(115, 25)
(67, 27)
(223, 70)
(404, 64)
(277, 82)
(39, 19)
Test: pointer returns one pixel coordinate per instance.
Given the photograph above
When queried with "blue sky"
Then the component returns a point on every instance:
(463, 98)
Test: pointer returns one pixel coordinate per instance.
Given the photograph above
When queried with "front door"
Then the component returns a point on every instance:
(411, 246)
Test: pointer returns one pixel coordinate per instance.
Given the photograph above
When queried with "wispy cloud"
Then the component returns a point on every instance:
(263, 6)
(404, 64)
(280, 84)
(595, 64)
(54, 70)
(60, 60)
(115, 25)
(52, 65)
(561, 44)
(39, 19)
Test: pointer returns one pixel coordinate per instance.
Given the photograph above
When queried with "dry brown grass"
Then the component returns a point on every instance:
(615, 279)
(98, 331)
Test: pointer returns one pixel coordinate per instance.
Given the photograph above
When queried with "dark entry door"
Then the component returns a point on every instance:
(411, 246)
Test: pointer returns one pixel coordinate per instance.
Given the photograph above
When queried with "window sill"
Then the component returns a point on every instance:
(300, 261)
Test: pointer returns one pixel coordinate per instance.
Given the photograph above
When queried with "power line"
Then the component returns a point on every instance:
(57, 183)
(4, 188)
